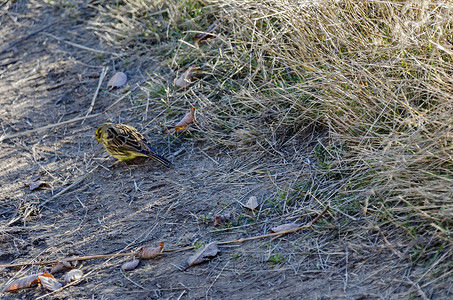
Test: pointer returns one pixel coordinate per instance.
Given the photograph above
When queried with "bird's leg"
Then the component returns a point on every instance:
(114, 164)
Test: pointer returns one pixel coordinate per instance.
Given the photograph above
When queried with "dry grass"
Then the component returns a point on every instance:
(375, 76)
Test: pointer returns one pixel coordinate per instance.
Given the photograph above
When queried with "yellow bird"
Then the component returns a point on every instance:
(124, 142)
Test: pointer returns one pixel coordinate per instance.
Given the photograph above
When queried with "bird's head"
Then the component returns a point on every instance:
(101, 129)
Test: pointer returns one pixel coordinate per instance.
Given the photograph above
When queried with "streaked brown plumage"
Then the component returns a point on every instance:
(124, 142)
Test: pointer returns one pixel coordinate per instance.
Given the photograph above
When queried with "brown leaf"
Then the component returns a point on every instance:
(37, 184)
(202, 38)
(73, 275)
(187, 77)
(130, 265)
(252, 203)
(219, 219)
(150, 252)
(49, 282)
(203, 254)
(117, 80)
(284, 227)
(62, 265)
(188, 119)
(21, 283)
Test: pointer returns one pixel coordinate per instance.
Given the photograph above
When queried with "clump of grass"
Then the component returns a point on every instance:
(376, 76)
(135, 23)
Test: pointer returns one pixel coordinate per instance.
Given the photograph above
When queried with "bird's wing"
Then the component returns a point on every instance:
(133, 140)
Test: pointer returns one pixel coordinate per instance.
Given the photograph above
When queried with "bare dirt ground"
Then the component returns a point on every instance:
(44, 79)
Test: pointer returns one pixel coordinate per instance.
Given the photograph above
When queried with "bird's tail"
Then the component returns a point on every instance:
(161, 159)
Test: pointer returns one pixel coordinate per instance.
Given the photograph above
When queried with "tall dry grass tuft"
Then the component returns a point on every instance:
(376, 75)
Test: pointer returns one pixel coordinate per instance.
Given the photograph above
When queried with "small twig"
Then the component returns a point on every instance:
(278, 233)
(420, 292)
(10, 136)
(179, 249)
(182, 293)
(101, 79)
(207, 155)
(170, 250)
(312, 222)
(25, 37)
(179, 152)
(26, 132)
(117, 101)
(76, 182)
(217, 277)
(80, 258)
(80, 46)
(135, 283)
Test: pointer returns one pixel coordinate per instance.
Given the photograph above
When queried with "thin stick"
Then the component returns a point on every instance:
(10, 136)
(170, 250)
(135, 283)
(49, 262)
(180, 296)
(101, 79)
(312, 222)
(25, 37)
(26, 132)
(278, 233)
(215, 279)
(80, 46)
(76, 182)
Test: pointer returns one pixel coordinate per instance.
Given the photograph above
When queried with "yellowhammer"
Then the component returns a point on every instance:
(124, 142)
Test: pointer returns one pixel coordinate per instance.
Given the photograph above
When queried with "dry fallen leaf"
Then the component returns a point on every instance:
(187, 76)
(219, 219)
(49, 282)
(188, 119)
(37, 184)
(252, 203)
(202, 38)
(203, 254)
(21, 283)
(130, 265)
(117, 80)
(284, 227)
(73, 275)
(150, 252)
(62, 265)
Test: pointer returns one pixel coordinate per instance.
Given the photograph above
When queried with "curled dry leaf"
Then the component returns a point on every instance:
(37, 184)
(62, 265)
(130, 265)
(203, 254)
(187, 77)
(284, 227)
(252, 203)
(49, 282)
(188, 119)
(202, 38)
(117, 80)
(21, 283)
(150, 252)
(73, 275)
